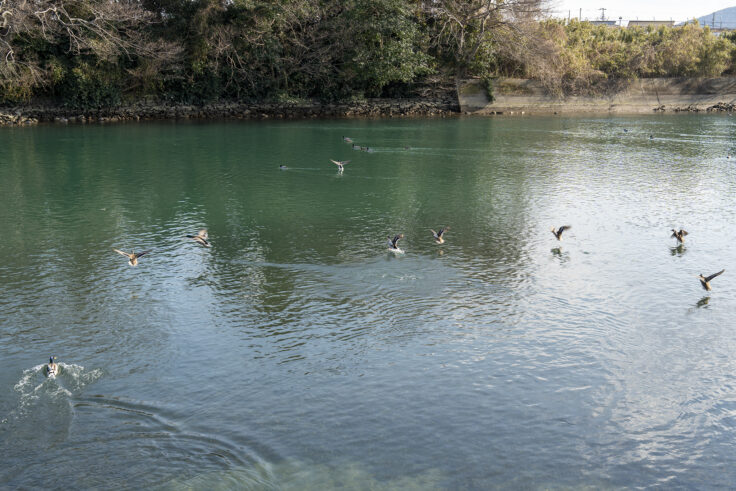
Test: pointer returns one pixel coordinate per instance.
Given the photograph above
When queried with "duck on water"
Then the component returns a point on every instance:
(705, 280)
(438, 235)
(679, 235)
(393, 243)
(52, 368)
(340, 164)
(132, 256)
(558, 233)
(200, 238)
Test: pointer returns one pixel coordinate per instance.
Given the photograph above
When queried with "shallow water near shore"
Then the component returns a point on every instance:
(299, 353)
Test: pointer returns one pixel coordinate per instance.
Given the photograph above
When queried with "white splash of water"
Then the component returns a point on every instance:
(34, 385)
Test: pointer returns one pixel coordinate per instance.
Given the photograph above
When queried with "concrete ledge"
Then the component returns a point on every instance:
(638, 96)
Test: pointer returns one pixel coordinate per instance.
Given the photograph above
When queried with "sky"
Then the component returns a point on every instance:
(677, 10)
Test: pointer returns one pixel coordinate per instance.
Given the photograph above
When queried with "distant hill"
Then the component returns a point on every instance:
(725, 18)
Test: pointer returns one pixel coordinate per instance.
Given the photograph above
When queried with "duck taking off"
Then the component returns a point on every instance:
(52, 368)
(132, 256)
(393, 243)
(705, 281)
(200, 238)
(340, 163)
(438, 235)
(558, 233)
(679, 235)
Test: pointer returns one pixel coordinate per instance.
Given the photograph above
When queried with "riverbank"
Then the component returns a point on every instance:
(31, 114)
(522, 96)
(510, 96)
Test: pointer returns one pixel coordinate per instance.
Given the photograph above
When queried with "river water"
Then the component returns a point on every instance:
(299, 353)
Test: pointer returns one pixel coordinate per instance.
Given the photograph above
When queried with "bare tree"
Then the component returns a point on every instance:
(104, 29)
(463, 27)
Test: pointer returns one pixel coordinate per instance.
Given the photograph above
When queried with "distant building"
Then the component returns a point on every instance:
(652, 23)
(611, 23)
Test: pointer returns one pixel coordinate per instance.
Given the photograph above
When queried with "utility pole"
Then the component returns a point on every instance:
(603, 13)
(580, 15)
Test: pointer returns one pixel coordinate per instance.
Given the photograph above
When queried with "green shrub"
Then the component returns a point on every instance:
(88, 86)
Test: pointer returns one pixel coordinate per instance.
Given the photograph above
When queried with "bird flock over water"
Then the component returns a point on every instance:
(679, 235)
(202, 238)
(557, 232)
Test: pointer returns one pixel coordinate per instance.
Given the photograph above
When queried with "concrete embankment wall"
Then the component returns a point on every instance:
(638, 96)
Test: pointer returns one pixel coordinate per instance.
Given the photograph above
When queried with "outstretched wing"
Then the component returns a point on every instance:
(396, 239)
(121, 252)
(683, 232)
(442, 231)
(563, 228)
(203, 233)
(139, 254)
(343, 162)
(335, 162)
(436, 235)
(714, 275)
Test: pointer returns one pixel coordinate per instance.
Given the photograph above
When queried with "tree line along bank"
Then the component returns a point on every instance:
(92, 54)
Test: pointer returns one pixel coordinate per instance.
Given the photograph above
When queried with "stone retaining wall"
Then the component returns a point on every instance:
(35, 113)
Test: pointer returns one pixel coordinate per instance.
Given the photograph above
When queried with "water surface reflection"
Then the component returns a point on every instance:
(298, 352)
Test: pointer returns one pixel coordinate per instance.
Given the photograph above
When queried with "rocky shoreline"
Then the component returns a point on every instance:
(32, 114)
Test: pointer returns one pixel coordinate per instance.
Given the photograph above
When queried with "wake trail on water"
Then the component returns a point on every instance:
(36, 390)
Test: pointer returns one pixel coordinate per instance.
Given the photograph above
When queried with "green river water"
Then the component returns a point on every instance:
(299, 353)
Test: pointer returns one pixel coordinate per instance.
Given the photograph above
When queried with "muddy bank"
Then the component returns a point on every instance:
(522, 96)
(44, 113)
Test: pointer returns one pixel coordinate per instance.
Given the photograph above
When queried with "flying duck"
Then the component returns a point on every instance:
(347, 139)
(339, 163)
(200, 238)
(558, 233)
(438, 235)
(679, 235)
(393, 243)
(132, 256)
(705, 281)
(51, 369)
